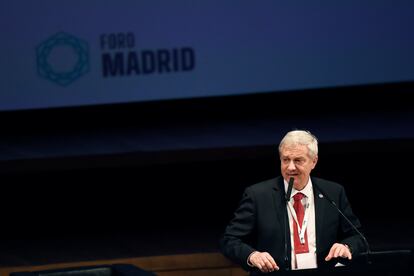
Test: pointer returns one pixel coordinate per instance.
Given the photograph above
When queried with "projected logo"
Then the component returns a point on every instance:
(62, 58)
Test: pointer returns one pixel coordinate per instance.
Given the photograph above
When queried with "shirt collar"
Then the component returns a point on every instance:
(307, 191)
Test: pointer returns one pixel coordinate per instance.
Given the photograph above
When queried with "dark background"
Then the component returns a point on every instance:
(57, 206)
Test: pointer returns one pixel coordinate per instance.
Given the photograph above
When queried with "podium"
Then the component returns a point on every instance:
(379, 263)
(97, 270)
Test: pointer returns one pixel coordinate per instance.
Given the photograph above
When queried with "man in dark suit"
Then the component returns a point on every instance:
(269, 233)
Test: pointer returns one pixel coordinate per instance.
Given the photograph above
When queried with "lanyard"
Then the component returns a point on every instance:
(302, 229)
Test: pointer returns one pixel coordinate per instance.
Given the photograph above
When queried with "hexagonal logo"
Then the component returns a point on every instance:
(62, 58)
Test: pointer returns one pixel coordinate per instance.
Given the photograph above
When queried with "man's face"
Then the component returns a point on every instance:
(295, 162)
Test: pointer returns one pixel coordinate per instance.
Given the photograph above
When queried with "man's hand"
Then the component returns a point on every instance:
(339, 250)
(263, 261)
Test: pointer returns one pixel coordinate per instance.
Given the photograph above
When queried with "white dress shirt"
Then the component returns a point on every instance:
(304, 260)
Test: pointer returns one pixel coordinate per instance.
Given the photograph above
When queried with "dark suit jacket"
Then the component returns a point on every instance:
(261, 218)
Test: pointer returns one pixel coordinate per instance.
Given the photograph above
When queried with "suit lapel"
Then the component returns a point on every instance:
(278, 194)
(320, 206)
(279, 200)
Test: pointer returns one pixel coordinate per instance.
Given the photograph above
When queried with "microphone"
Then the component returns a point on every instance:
(287, 198)
(368, 252)
(289, 190)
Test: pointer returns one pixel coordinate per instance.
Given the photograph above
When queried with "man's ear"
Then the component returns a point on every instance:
(315, 161)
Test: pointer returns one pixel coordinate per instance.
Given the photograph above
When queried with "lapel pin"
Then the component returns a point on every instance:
(320, 196)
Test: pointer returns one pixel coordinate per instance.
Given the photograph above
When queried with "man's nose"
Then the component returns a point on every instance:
(291, 166)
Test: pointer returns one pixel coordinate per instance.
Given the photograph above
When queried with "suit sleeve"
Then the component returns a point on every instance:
(234, 243)
(347, 234)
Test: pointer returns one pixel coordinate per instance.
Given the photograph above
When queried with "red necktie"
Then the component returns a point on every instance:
(300, 213)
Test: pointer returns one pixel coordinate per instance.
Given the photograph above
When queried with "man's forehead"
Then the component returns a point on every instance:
(296, 150)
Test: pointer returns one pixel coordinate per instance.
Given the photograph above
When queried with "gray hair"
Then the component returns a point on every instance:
(301, 137)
